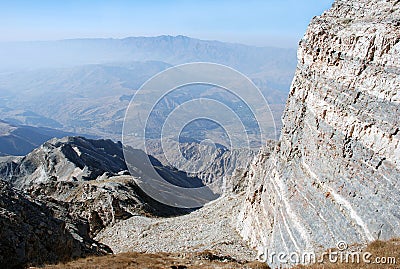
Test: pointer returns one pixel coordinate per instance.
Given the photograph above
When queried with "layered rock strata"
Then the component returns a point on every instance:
(335, 172)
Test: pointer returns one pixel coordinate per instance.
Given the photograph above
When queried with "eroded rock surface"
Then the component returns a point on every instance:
(335, 172)
(32, 234)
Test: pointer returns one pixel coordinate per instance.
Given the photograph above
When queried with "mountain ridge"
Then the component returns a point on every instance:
(171, 49)
(19, 140)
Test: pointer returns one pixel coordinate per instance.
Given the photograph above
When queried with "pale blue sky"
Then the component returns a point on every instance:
(255, 22)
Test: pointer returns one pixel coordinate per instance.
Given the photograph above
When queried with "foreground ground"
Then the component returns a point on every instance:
(378, 249)
(159, 260)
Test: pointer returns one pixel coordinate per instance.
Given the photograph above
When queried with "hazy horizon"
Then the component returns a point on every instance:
(145, 36)
(286, 43)
(256, 23)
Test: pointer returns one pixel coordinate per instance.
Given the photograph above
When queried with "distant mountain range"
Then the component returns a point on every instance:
(171, 49)
(84, 86)
(18, 140)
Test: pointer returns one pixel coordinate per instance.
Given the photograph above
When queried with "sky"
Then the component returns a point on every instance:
(255, 22)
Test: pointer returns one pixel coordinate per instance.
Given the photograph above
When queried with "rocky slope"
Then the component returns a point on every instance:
(88, 179)
(334, 174)
(209, 228)
(84, 184)
(32, 234)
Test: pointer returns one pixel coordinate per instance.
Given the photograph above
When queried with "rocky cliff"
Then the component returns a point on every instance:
(335, 171)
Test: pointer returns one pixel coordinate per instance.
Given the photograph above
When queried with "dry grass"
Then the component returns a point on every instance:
(383, 250)
(159, 260)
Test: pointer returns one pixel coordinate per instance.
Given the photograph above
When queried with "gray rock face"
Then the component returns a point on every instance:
(31, 234)
(335, 172)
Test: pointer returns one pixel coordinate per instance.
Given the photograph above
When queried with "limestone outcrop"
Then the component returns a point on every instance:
(334, 174)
